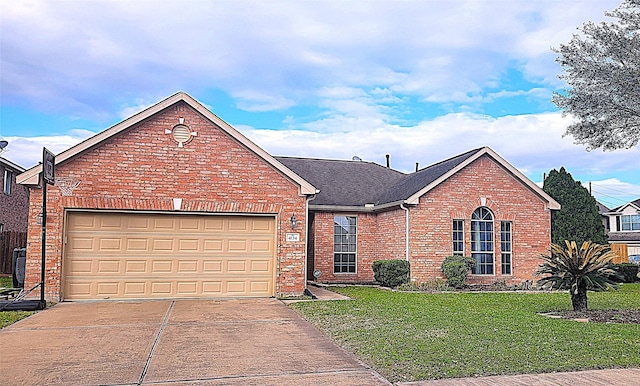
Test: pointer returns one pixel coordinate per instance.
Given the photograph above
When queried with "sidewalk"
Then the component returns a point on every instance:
(613, 377)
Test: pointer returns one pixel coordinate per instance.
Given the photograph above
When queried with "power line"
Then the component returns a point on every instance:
(615, 190)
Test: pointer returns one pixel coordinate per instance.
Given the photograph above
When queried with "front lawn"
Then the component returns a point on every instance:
(418, 336)
(10, 317)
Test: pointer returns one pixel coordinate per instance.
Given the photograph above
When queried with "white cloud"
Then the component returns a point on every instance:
(27, 151)
(533, 143)
(271, 55)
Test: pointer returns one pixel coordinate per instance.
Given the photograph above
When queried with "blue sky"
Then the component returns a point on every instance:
(419, 80)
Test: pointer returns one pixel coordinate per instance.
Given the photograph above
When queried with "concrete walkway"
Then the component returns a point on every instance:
(615, 377)
(207, 342)
(180, 342)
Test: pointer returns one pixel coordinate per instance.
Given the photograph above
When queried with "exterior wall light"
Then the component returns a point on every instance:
(294, 221)
(39, 218)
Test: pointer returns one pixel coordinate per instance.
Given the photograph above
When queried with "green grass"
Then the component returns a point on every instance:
(10, 317)
(6, 282)
(418, 336)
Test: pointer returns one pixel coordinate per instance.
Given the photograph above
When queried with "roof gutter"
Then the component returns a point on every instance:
(367, 208)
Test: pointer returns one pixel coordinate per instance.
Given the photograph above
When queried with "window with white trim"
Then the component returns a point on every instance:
(8, 176)
(482, 241)
(630, 222)
(458, 237)
(344, 244)
(506, 244)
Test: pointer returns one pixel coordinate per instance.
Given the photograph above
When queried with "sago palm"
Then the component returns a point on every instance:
(578, 270)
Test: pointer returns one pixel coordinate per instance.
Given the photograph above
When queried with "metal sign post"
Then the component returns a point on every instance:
(48, 178)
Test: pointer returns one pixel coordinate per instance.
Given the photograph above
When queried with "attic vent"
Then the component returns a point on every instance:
(356, 158)
(181, 133)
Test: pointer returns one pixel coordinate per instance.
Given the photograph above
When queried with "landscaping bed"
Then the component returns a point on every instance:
(602, 316)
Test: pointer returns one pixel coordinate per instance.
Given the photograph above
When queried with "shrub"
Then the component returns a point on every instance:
(456, 268)
(578, 269)
(628, 272)
(391, 273)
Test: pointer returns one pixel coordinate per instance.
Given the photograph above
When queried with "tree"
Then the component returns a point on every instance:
(578, 219)
(602, 69)
(578, 270)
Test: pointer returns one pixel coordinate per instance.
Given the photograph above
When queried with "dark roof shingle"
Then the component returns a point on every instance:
(356, 183)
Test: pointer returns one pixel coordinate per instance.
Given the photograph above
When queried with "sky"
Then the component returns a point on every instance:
(419, 80)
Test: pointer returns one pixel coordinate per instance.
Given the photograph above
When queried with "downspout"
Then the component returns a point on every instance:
(406, 237)
(306, 238)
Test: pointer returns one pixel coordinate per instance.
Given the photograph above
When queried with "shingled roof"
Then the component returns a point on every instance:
(357, 183)
(344, 183)
(635, 203)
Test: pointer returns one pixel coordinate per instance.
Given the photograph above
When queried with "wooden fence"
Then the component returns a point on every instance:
(9, 240)
(621, 251)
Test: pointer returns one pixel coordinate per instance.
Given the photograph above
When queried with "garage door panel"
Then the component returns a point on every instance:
(163, 245)
(165, 256)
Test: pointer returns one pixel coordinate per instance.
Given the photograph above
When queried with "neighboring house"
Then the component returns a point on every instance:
(14, 213)
(14, 199)
(174, 202)
(624, 230)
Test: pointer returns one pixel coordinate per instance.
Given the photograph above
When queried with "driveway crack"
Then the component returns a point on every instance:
(155, 343)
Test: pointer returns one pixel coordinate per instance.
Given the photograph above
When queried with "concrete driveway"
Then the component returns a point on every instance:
(203, 342)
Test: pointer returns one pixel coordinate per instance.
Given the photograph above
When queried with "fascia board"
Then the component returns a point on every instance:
(551, 203)
(12, 165)
(31, 176)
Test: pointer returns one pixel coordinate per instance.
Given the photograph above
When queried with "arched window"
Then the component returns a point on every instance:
(482, 241)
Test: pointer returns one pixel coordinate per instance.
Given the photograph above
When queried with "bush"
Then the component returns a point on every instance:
(627, 272)
(391, 273)
(456, 268)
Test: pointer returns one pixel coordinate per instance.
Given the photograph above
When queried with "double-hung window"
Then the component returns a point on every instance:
(458, 237)
(630, 222)
(482, 241)
(506, 244)
(345, 239)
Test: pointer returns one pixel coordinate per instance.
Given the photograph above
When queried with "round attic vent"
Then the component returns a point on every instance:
(181, 133)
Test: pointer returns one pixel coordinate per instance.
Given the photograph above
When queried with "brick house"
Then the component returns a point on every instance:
(14, 199)
(14, 210)
(473, 204)
(174, 202)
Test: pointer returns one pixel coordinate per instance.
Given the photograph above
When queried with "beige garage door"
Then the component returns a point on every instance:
(142, 256)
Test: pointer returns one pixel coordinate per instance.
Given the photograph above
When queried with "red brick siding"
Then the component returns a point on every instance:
(144, 169)
(14, 207)
(382, 235)
(457, 198)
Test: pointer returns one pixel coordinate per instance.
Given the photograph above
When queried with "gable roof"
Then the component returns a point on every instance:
(31, 176)
(11, 165)
(367, 186)
(635, 204)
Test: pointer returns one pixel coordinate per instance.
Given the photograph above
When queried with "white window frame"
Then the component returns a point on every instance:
(508, 253)
(351, 244)
(457, 236)
(8, 177)
(633, 225)
(479, 247)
